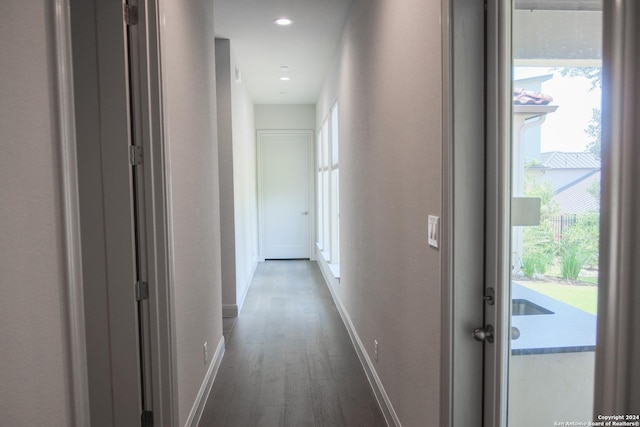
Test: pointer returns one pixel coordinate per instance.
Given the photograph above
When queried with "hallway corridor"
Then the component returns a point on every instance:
(289, 360)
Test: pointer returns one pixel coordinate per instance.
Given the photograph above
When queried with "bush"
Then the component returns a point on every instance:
(583, 237)
(579, 246)
(539, 248)
(572, 260)
(528, 265)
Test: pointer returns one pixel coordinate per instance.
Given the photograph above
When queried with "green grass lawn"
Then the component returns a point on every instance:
(589, 279)
(583, 297)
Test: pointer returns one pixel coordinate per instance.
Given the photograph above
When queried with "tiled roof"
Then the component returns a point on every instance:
(560, 160)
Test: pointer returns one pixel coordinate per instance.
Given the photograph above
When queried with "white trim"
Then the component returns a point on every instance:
(240, 301)
(384, 402)
(335, 270)
(232, 310)
(77, 351)
(203, 394)
(164, 210)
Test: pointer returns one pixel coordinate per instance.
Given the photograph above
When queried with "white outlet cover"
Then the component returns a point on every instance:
(434, 231)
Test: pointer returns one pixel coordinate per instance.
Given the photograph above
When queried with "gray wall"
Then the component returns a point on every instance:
(387, 80)
(238, 180)
(285, 116)
(34, 384)
(225, 164)
(245, 184)
(188, 62)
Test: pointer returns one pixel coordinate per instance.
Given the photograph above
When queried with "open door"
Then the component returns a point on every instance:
(123, 213)
(543, 207)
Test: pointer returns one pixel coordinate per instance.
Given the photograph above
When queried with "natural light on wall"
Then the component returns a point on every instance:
(328, 213)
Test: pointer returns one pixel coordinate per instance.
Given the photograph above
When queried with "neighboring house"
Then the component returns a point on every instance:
(571, 176)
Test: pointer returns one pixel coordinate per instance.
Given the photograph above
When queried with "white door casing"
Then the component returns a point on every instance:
(103, 119)
(285, 191)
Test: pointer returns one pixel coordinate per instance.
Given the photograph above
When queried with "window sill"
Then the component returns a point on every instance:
(335, 269)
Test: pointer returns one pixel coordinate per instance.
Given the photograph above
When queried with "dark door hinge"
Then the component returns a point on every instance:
(135, 155)
(142, 291)
(147, 419)
(130, 14)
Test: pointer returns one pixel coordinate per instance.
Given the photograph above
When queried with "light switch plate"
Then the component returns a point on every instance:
(434, 231)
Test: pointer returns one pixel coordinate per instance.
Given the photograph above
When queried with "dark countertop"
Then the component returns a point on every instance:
(567, 330)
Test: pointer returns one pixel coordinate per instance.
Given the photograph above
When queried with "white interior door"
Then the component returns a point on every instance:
(285, 194)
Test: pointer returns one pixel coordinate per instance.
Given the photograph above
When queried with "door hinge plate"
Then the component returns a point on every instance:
(130, 14)
(142, 291)
(135, 155)
(146, 419)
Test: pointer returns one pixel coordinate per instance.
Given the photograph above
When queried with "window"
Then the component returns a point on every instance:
(328, 208)
(326, 185)
(320, 192)
(335, 189)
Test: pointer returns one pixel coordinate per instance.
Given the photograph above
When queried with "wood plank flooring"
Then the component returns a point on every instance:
(289, 360)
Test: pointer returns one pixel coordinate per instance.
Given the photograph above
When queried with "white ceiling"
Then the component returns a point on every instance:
(261, 47)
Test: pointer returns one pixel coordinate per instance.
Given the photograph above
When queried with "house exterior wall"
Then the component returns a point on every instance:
(558, 178)
(34, 375)
(387, 81)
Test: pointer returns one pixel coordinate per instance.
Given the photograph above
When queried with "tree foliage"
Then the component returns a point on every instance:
(593, 74)
(593, 130)
(579, 245)
(539, 244)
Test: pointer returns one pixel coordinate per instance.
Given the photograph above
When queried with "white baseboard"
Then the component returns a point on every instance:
(203, 394)
(247, 286)
(230, 310)
(374, 380)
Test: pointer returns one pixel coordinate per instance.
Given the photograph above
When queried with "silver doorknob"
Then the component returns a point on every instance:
(305, 213)
(515, 333)
(483, 334)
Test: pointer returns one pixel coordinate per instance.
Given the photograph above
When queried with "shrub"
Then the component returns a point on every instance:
(572, 260)
(579, 246)
(528, 265)
(583, 237)
(539, 248)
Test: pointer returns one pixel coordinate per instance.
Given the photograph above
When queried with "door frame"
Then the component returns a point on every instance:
(463, 211)
(310, 146)
(616, 379)
(498, 208)
(73, 303)
(100, 68)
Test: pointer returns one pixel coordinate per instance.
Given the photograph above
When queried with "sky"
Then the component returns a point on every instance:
(563, 130)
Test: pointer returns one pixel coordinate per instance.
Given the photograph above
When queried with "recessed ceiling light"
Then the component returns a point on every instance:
(284, 68)
(283, 21)
(285, 78)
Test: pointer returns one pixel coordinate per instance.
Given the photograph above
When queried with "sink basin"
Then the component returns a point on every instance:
(523, 307)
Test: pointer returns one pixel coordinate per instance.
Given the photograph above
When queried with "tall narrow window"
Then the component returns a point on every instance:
(335, 189)
(328, 197)
(326, 212)
(320, 192)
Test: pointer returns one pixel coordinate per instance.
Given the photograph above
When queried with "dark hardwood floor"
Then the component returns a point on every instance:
(289, 360)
